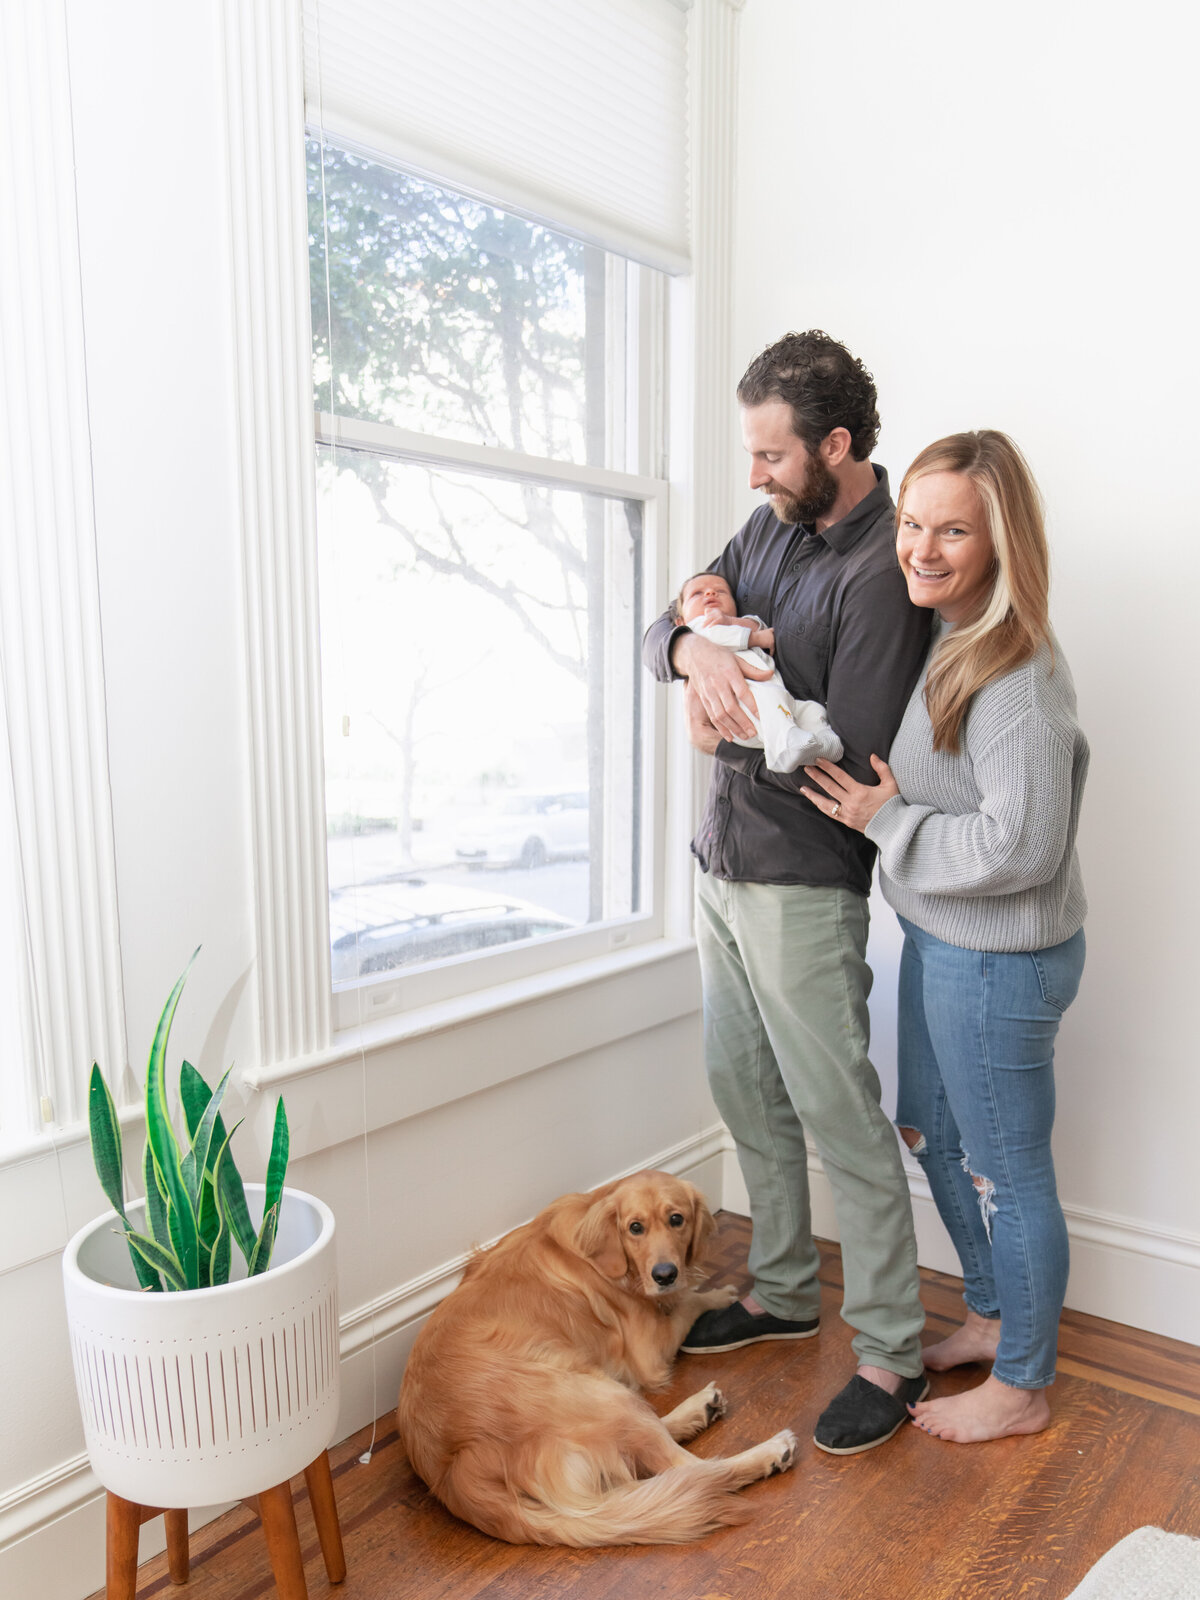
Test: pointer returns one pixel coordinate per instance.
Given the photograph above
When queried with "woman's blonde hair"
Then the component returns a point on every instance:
(1013, 622)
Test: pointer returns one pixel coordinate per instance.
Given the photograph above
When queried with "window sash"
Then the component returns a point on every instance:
(359, 1001)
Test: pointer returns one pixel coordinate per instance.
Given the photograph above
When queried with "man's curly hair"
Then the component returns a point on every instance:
(825, 386)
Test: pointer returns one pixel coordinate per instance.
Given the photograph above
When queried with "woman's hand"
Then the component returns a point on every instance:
(850, 802)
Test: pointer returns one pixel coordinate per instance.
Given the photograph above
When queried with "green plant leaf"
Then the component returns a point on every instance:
(181, 1215)
(195, 1094)
(221, 1256)
(222, 1249)
(106, 1140)
(277, 1164)
(105, 1131)
(209, 1221)
(232, 1196)
(261, 1259)
(156, 1200)
(158, 1258)
(196, 1161)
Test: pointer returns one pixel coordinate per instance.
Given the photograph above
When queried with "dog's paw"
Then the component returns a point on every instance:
(718, 1299)
(783, 1452)
(715, 1405)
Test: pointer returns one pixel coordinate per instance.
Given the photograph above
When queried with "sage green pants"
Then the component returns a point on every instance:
(786, 1032)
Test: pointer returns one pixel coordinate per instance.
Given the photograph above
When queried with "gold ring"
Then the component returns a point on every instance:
(837, 806)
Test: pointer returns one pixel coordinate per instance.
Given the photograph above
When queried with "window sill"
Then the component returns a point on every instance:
(402, 1065)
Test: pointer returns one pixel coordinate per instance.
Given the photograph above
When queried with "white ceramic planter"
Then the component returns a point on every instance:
(193, 1398)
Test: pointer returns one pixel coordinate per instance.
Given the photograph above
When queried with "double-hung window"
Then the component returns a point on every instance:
(491, 509)
(495, 194)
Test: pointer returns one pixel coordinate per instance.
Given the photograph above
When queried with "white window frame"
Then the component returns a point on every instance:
(635, 420)
(273, 366)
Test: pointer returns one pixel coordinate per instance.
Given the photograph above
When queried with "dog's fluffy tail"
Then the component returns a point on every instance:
(673, 1508)
(567, 1496)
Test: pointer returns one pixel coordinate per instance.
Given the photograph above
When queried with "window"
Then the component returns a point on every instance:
(490, 513)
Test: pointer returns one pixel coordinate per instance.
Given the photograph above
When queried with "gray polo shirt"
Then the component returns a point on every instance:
(847, 636)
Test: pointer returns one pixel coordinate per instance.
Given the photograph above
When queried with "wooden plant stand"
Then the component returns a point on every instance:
(275, 1512)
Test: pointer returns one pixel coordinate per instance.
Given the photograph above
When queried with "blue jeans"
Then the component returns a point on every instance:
(976, 1048)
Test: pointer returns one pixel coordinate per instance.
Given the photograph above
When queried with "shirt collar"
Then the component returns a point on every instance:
(844, 535)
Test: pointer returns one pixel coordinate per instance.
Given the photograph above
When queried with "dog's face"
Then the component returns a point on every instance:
(651, 1228)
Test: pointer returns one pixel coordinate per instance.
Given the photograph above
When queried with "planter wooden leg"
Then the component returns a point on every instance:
(283, 1541)
(124, 1518)
(177, 1545)
(324, 1508)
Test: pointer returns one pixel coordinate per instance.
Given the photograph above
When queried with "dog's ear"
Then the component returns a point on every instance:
(703, 1226)
(597, 1238)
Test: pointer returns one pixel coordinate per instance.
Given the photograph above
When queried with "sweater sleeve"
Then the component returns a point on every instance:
(1013, 841)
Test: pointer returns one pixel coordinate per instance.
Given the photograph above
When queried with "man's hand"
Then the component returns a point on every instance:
(718, 677)
(700, 730)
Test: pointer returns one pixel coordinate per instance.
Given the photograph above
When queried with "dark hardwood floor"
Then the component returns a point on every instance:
(916, 1519)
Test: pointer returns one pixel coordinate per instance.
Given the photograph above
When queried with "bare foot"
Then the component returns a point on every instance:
(991, 1411)
(976, 1340)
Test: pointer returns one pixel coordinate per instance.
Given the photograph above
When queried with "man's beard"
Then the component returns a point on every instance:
(816, 496)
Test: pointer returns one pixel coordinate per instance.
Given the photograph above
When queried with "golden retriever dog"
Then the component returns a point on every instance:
(520, 1407)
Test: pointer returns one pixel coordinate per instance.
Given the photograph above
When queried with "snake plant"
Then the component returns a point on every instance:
(195, 1202)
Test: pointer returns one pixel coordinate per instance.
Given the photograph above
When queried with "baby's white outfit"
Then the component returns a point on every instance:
(792, 733)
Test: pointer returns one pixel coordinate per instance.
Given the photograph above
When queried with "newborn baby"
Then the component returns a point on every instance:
(792, 733)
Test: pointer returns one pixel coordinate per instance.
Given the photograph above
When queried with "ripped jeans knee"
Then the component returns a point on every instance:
(986, 1191)
(914, 1139)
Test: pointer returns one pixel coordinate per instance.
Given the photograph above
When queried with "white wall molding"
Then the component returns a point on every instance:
(51, 657)
(273, 359)
(1120, 1269)
(702, 424)
(713, 77)
(30, 1506)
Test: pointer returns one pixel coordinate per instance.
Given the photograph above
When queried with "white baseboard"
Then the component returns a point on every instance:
(1120, 1269)
(52, 1532)
(52, 1527)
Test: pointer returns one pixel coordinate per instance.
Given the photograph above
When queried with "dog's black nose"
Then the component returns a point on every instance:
(664, 1274)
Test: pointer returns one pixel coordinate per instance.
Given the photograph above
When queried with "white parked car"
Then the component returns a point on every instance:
(381, 926)
(527, 829)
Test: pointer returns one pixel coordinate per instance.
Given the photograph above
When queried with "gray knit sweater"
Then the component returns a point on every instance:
(978, 848)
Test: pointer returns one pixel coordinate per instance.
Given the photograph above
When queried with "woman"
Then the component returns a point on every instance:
(975, 822)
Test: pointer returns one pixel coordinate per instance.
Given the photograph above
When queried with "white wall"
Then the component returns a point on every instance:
(994, 207)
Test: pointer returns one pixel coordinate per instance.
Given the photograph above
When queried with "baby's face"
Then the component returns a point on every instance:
(707, 593)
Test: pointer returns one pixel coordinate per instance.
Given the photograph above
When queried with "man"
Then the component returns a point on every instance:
(781, 891)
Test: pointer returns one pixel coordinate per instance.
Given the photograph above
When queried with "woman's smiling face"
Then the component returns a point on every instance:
(944, 547)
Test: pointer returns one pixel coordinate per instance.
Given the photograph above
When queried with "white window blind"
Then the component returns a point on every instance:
(570, 111)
